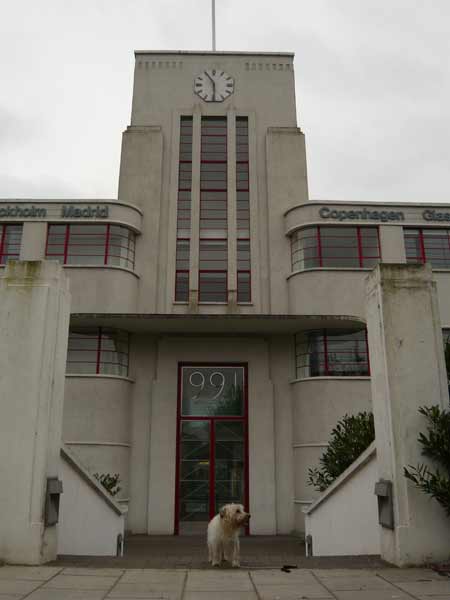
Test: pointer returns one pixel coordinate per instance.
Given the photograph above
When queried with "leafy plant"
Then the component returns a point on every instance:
(436, 446)
(351, 436)
(109, 482)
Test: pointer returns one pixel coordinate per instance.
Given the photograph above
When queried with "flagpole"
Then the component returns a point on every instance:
(214, 25)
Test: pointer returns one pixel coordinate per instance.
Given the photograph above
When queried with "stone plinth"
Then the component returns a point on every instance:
(34, 322)
(408, 371)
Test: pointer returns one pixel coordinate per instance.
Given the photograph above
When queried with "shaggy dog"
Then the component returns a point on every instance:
(223, 534)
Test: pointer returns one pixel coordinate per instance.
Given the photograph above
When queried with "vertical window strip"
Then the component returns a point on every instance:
(243, 211)
(213, 253)
(184, 208)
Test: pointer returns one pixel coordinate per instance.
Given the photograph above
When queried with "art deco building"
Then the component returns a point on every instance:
(218, 315)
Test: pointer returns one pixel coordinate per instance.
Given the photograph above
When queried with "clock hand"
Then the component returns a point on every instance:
(213, 83)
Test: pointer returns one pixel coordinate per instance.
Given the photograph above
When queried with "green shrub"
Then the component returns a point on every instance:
(351, 436)
(435, 445)
(109, 482)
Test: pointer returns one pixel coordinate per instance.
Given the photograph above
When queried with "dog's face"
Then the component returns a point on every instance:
(235, 515)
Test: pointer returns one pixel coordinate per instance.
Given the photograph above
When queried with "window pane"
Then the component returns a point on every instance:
(213, 286)
(212, 391)
(331, 353)
(10, 242)
(97, 351)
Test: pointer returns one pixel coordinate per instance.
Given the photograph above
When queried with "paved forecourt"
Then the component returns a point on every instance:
(57, 583)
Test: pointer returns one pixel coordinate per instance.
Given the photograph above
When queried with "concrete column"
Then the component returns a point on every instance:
(392, 244)
(408, 371)
(34, 239)
(34, 322)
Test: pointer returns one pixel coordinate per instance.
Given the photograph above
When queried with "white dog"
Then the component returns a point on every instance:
(223, 534)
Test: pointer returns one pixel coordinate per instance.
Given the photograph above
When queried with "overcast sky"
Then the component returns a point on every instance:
(372, 76)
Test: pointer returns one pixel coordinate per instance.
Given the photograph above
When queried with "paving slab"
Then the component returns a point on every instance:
(81, 582)
(415, 574)
(366, 582)
(17, 586)
(28, 573)
(393, 594)
(277, 576)
(154, 575)
(48, 594)
(147, 590)
(212, 581)
(426, 588)
(95, 572)
(197, 595)
(292, 591)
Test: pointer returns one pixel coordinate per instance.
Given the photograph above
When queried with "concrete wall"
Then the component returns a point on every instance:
(318, 404)
(344, 519)
(90, 520)
(97, 424)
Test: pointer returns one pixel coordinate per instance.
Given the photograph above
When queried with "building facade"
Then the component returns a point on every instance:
(218, 315)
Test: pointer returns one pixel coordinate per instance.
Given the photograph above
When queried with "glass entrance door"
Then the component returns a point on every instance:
(212, 452)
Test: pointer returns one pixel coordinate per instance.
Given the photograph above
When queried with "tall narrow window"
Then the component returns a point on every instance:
(243, 211)
(213, 255)
(10, 240)
(184, 211)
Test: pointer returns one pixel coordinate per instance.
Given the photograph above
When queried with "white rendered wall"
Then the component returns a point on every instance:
(88, 525)
(96, 424)
(34, 321)
(318, 404)
(344, 519)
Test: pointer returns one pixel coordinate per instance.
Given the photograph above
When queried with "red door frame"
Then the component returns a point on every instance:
(243, 418)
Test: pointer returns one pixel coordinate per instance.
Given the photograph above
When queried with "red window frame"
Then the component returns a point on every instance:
(212, 420)
(323, 361)
(4, 228)
(213, 154)
(106, 246)
(98, 335)
(425, 249)
(317, 243)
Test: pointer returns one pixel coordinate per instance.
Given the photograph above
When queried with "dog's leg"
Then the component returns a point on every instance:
(216, 554)
(210, 554)
(235, 561)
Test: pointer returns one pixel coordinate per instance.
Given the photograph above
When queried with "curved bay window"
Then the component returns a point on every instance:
(97, 350)
(332, 246)
(99, 244)
(428, 246)
(331, 353)
(10, 241)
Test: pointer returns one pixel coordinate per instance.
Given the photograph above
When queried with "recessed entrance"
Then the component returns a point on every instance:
(212, 443)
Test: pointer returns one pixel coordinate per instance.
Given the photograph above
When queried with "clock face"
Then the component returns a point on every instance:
(214, 85)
